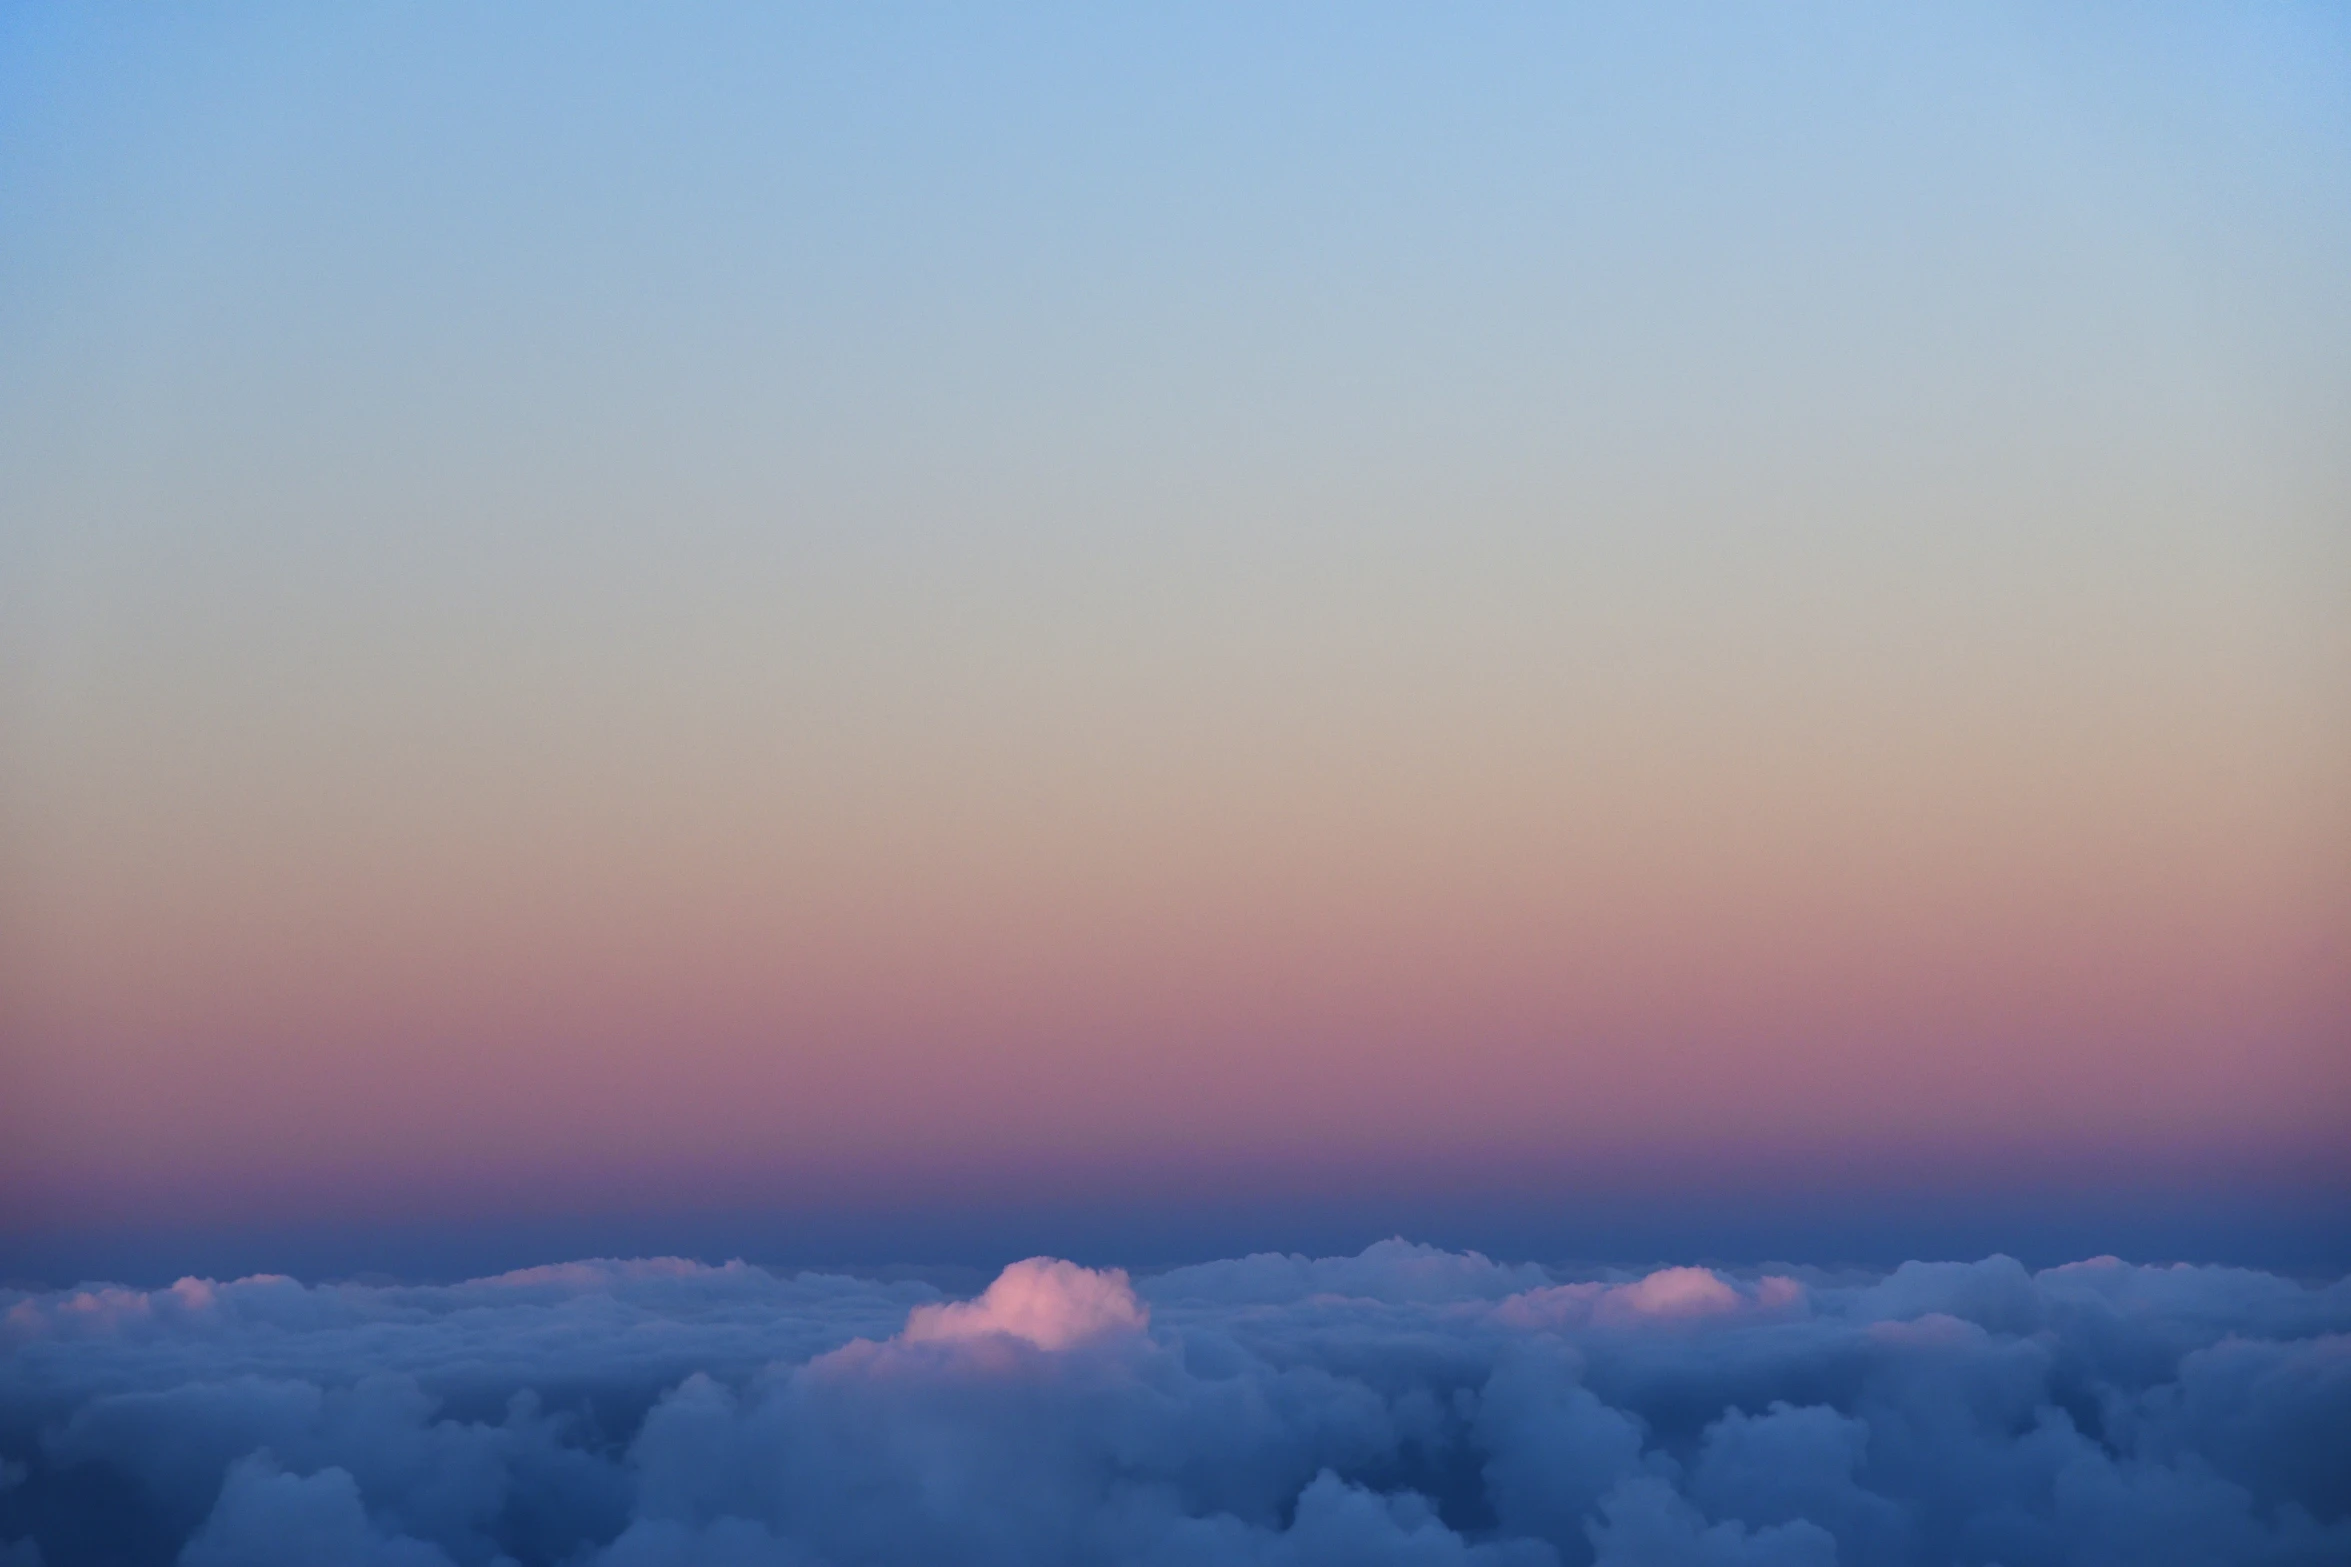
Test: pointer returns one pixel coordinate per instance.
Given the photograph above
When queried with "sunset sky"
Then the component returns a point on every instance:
(1172, 617)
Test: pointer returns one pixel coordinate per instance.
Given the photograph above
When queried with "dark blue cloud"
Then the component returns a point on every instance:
(1402, 1406)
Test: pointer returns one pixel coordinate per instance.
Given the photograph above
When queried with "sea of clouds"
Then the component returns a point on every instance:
(1407, 1405)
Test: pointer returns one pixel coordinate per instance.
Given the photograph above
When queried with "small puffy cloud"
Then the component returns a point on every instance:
(1394, 1271)
(1667, 1295)
(1043, 1301)
(1673, 1292)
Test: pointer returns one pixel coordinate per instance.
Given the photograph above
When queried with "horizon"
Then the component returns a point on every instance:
(2265, 1230)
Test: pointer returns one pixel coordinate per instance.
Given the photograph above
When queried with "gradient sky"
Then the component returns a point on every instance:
(899, 609)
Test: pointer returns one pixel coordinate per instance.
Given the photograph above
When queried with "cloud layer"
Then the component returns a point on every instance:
(1402, 1406)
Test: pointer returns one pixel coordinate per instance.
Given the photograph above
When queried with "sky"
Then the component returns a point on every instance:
(914, 632)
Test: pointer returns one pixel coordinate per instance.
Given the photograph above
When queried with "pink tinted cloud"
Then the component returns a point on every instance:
(1665, 1296)
(1042, 1301)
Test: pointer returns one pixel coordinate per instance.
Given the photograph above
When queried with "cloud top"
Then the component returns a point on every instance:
(1405, 1405)
(1042, 1301)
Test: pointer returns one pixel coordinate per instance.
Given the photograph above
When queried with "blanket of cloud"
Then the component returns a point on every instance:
(1407, 1405)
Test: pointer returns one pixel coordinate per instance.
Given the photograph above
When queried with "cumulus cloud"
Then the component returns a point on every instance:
(1667, 1295)
(1043, 1301)
(1406, 1405)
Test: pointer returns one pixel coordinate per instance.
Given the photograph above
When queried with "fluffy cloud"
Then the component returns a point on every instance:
(1042, 1302)
(1667, 1295)
(1406, 1405)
